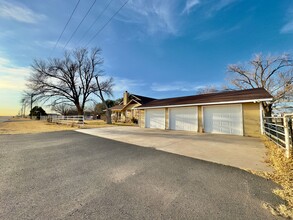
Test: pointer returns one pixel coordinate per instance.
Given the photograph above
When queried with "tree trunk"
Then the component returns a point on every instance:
(108, 116)
(31, 115)
(79, 109)
(267, 108)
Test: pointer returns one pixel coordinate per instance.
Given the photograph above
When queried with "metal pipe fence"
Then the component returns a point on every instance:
(279, 130)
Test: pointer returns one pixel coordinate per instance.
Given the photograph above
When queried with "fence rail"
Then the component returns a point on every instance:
(78, 119)
(274, 129)
(279, 130)
(72, 119)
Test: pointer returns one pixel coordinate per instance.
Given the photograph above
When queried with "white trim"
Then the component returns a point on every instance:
(202, 122)
(169, 116)
(168, 109)
(261, 118)
(129, 103)
(242, 122)
(209, 103)
(145, 116)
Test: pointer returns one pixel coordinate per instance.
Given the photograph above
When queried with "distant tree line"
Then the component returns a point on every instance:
(94, 109)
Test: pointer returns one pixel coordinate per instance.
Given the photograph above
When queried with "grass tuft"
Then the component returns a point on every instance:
(283, 175)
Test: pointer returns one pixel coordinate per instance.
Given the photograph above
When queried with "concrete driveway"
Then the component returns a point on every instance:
(237, 151)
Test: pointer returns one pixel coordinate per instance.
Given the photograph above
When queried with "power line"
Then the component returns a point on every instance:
(95, 21)
(66, 25)
(84, 17)
(100, 30)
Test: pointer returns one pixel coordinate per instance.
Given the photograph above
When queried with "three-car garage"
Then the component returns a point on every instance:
(221, 119)
(231, 112)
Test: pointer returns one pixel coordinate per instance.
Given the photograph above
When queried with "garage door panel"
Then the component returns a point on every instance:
(183, 118)
(223, 119)
(155, 118)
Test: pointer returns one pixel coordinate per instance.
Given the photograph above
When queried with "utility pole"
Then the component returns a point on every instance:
(24, 108)
(32, 95)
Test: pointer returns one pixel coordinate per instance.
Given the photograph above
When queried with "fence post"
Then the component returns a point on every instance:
(287, 140)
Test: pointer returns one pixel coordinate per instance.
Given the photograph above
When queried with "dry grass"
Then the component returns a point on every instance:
(101, 123)
(24, 126)
(94, 124)
(283, 175)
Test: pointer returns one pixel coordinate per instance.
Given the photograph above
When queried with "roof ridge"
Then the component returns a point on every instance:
(212, 93)
(227, 96)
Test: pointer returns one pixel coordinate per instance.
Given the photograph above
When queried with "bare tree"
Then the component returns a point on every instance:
(28, 99)
(24, 103)
(273, 73)
(61, 108)
(67, 80)
(105, 87)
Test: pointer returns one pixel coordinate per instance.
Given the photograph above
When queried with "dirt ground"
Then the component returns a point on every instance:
(25, 126)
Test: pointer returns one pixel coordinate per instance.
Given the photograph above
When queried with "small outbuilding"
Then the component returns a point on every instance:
(231, 112)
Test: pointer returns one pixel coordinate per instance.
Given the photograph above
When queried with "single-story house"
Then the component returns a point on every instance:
(126, 110)
(230, 112)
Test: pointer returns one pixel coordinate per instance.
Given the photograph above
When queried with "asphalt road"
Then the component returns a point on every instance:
(69, 175)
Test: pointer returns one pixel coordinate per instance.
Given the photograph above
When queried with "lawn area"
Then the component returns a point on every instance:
(24, 126)
(102, 123)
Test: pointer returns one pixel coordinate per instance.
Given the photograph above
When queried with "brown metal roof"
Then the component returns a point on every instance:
(141, 99)
(117, 107)
(228, 96)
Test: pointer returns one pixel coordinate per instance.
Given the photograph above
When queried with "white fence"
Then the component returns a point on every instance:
(279, 130)
(72, 119)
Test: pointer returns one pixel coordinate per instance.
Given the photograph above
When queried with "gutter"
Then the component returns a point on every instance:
(208, 103)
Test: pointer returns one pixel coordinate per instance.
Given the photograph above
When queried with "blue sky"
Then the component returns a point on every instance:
(157, 48)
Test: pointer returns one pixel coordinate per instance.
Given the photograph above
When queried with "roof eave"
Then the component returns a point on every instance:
(209, 103)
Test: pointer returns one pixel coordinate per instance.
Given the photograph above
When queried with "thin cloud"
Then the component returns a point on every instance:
(218, 6)
(51, 44)
(156, 16)
(19, 13)
(222, 4)
(288, 26)
(189, 5)
(180, 86)
(12, 77)
(174, 86)
(215, 33)
(124, 84)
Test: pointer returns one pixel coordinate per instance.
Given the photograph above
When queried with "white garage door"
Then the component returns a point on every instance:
(183, 119)
(155, 118)
(226, 119)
